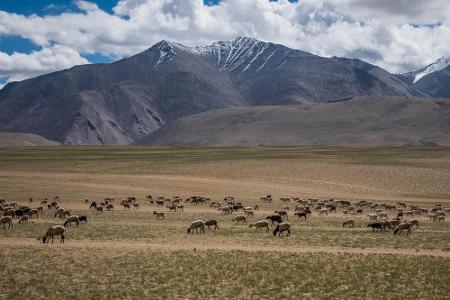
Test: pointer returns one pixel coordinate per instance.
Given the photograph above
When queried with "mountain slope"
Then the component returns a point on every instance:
(433, 80)
(8, 139)
(371, 121)
(121, 102)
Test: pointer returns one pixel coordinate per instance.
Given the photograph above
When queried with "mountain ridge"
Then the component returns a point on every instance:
(120, 102)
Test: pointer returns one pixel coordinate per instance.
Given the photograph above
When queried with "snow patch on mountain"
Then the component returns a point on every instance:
(437, 66)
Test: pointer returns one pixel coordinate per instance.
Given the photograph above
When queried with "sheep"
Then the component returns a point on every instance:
(281, 227)
(382, 215)
(439, 218)
(82, 219)
(172, 207)
(323, 211)
(225, 210)
(210, 223)
(282, 213)
(301, 214)
(34, 212)
(249, 213)
(275, 218)
(72, 219)
(240, 218)
(196, 225)
(52, 231)
(376, 226)
(414, 222)
(6, 220)
(23, 219)
(402, 227)
(59, 212)
(349, 223)
(409, 213)
(214, 204)
(260, 224)
(159, 215)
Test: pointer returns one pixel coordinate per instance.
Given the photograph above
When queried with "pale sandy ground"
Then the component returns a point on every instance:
(146, 246)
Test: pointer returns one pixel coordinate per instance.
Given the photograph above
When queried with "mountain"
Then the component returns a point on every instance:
(432, 80)
(363, 121)
(121, 102)
(8, 139)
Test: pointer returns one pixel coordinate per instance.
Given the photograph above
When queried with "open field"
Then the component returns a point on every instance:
(130, 254)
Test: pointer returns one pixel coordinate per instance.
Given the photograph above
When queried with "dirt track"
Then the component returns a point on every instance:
(140, 246)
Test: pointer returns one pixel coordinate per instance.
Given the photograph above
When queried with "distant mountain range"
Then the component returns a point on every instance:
(124, 101)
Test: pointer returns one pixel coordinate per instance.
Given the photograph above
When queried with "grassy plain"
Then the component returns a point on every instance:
(130, 254)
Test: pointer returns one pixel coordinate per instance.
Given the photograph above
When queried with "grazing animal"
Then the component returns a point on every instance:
(439, 218)
(282, 213)
(72, 219)
(225, 210)
(249, 213)
(376, 226)
(82, 219)
(180, 207)
(23, 219)
(109, 207)
(349, 223)
(275, 218)
(61, 212)
(34, 212)
(52, 231)
(172, 207)
(323, 211)
(402, 227)
(414, 222)
(282, 227)
(260, 224)
(196, 225)
(99, 209)
(301, 214)
(159, 215)
(382, 216)
(6, 220)
(93, 205)
(210, 223)
(240, 218)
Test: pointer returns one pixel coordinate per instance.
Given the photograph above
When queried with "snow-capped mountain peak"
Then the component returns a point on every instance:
(437, 66)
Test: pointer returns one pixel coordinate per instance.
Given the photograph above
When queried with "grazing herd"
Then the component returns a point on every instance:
(405, 218)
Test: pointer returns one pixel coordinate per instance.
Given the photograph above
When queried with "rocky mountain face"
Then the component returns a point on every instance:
(433, 80)
(121, 102)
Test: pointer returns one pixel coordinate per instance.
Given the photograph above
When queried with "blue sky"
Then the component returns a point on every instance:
(41, 36)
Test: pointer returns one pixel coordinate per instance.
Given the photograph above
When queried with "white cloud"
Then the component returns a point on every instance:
(18, 66)
(384, 32)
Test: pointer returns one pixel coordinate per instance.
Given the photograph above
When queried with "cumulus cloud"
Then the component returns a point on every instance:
(18, 66)
(397, 35)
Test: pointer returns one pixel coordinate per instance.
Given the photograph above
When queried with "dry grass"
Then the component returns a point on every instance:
(130, 254)
(218, 275)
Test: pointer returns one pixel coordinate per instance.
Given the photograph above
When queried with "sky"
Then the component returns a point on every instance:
(42, 36)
